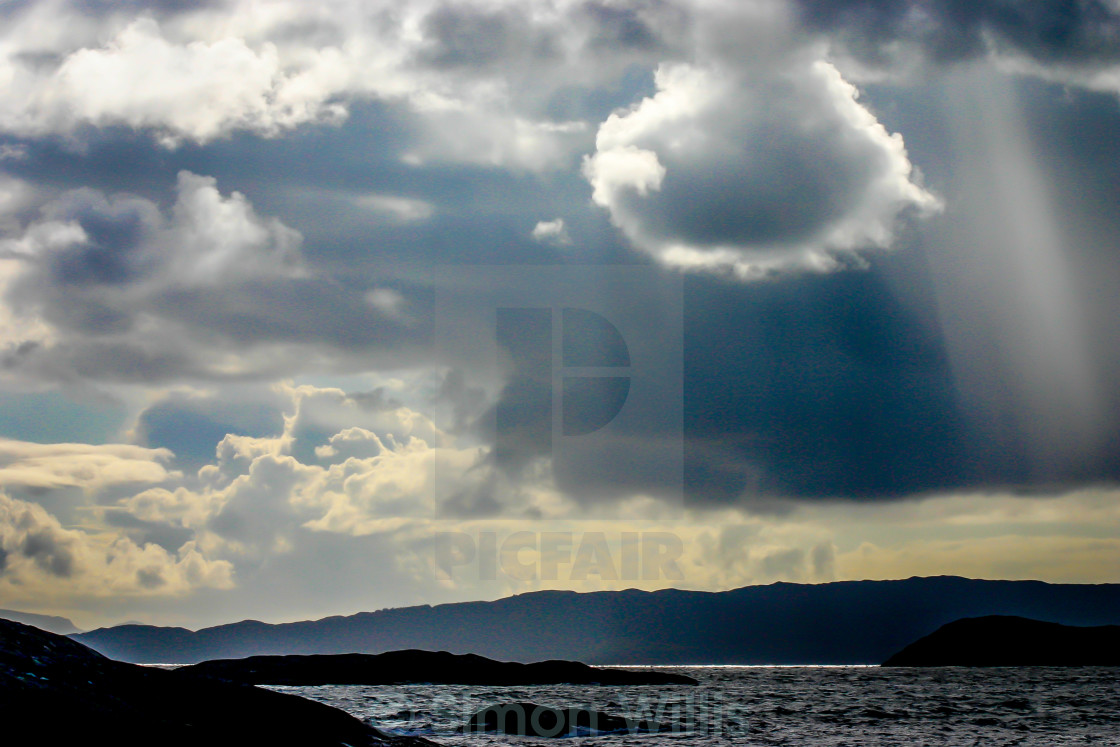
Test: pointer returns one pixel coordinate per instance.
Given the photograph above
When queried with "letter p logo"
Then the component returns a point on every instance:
(591, 367)
(583, 366)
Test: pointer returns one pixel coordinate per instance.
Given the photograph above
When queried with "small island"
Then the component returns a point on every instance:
(1005, 641)
(420, 667)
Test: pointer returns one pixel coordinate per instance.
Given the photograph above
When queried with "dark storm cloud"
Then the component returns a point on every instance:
(461, 36)
(98, 8)
(106, 259)
(819, 386)
(150, 579)
(624, 26)
(113, 160)
(49, 551)
(1070, 32)
(458, 36)
(840, 386)
(106, 360)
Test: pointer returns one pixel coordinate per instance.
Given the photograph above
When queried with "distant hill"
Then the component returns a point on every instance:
(56, 625)
(847, 622)
(1001, 641)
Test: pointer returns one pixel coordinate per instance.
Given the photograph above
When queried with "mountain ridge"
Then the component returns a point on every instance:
(844, 622)
(50, 623)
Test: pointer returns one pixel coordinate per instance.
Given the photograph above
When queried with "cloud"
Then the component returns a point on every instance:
(41, 554)
(89, 467)
(551, 232)
(490, 80)
(209, 289)
(141, 76)
(1071, 40)
(751, 172)
(402, 209)
(481, 75)
(350, 464)
(342, 463)
(16, 196)
(198, 90)
(754, 551)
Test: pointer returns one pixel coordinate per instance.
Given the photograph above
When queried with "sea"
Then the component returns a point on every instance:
(807, 706)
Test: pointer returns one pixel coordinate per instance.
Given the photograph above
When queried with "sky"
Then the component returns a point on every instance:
(310, 309)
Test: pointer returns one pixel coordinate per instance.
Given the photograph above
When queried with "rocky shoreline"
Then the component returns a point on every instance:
(54, 690)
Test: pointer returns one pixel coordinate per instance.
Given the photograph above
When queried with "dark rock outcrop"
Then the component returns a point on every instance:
(405, 667)
(533, 720)
(1003, 641)
(56, 691)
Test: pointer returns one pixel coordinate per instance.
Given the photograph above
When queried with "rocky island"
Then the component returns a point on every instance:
(54, 690)
(420, 667)
(1004, 641)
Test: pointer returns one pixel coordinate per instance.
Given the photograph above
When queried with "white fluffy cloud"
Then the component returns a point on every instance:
(752, 171)
(350, 464)
(551, 232)
(198, 90)
(40, 554)
(195, 80)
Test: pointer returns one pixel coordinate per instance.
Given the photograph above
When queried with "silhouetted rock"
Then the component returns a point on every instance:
(1003, 641)
(405, 667)
(847, 622)
(56, 691)
(533, 720)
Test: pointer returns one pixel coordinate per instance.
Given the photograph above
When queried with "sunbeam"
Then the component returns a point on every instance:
(1008, 293)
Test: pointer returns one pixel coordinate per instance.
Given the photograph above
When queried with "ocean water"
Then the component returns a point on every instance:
(803, 706)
